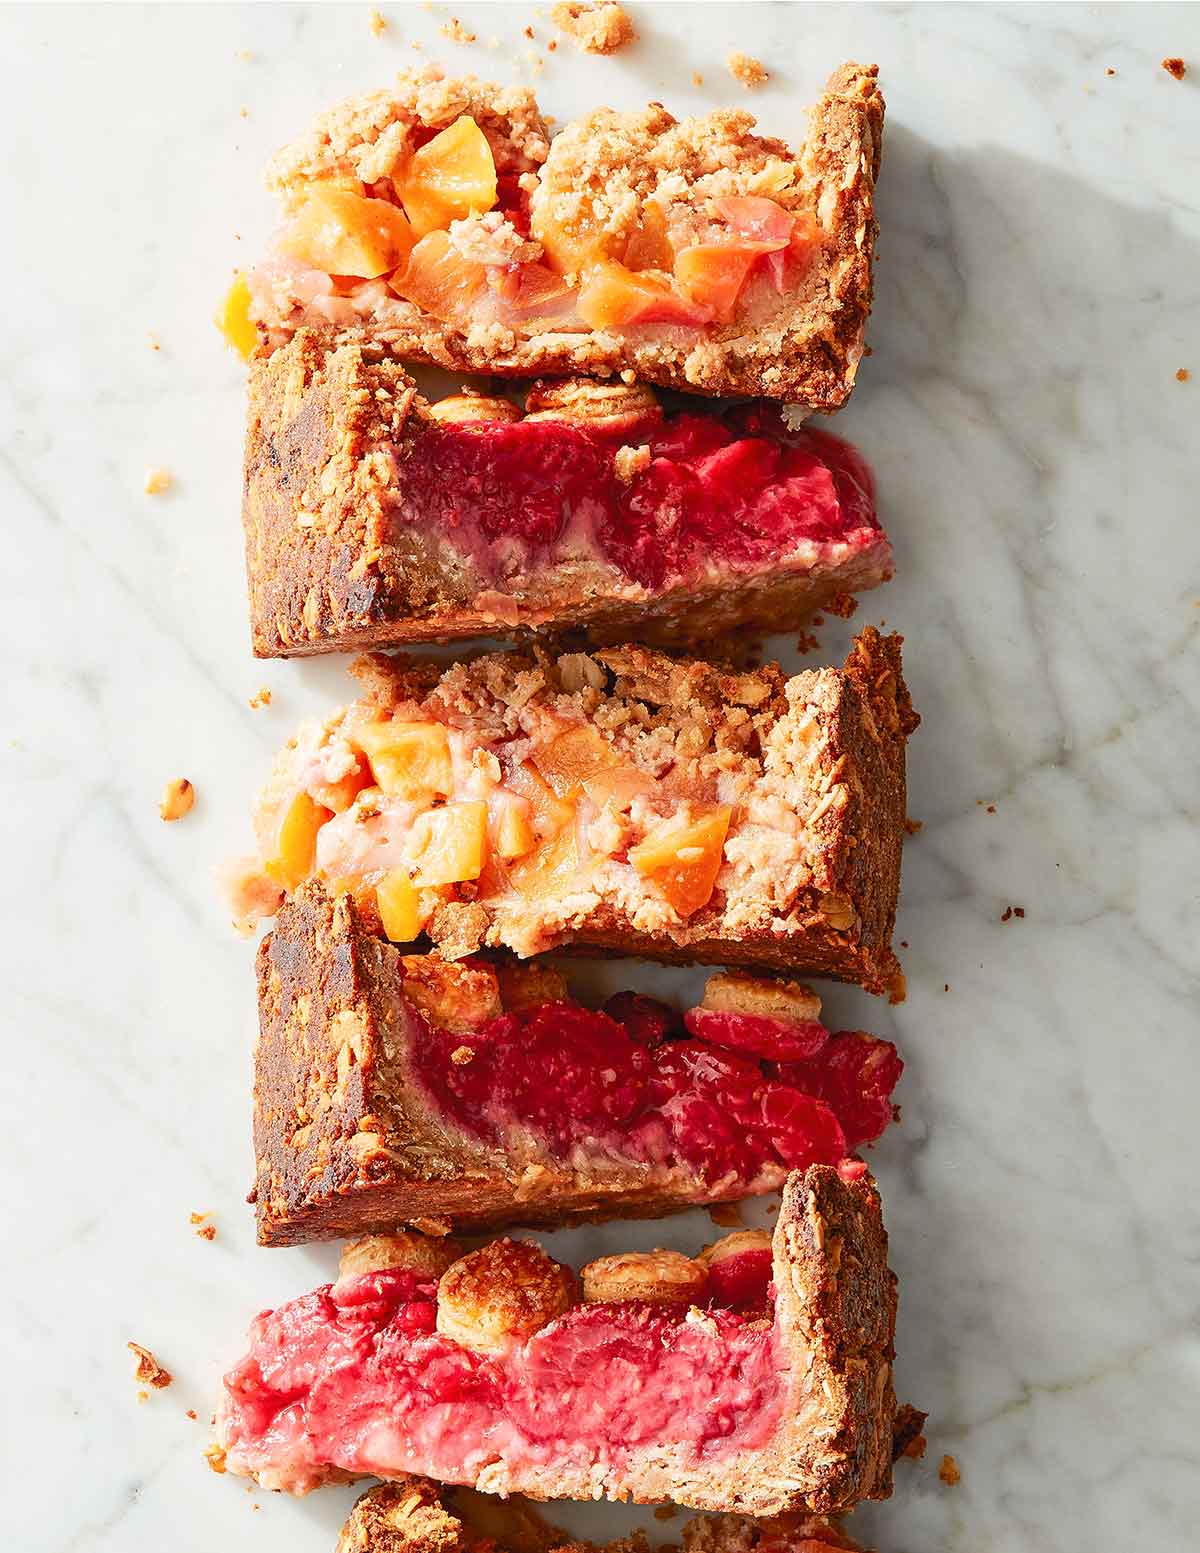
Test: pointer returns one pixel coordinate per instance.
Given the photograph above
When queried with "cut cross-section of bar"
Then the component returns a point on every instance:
(373, 519)
(495, 1375)
(392, 1089)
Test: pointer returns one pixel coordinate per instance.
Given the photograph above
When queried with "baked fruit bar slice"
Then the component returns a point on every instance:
(373, 518)
(761, 1389)
(439, 217)
(395, 1089)
(414, 1515)
(622, 800)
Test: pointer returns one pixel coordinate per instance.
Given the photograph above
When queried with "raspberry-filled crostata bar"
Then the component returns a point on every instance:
(374, 519)
(440, 219)
(392, 1089)
(620, 800)
(414, 1515)
(734, 1381)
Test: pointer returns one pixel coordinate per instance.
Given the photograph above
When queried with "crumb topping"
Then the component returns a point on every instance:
(749, 71)
(596, 28)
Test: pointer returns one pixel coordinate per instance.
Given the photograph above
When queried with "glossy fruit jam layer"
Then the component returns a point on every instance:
(355, 1376)
(732, 1100)
(732, 491)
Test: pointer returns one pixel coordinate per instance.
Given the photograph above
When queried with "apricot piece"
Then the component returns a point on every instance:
(550, 814)
(650, 247)
(572, 757)
(296, 845)
(449, 177)
(339, 795)
(551, 869)
(449, 844)
(512, 825)
(757, 219)
(344, 234)
(682, 855)
(399, 903)
(713, 274)
(233, 317)
(613, 297)
(409, 760)
(439, 280)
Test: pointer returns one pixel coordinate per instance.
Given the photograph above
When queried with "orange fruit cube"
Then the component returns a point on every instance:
(409, 760)
(512, 825)
(233, 318)
(613, 296)
(550, 813)
(713, 274)
(449, 177)
(439, 280)
(344, 234)
(650, 247)
(572, 757)
(619, 785)
(757, 219)
(399, 903)
(296, 844)
(449, 844)
(682, 855)
(550, 870)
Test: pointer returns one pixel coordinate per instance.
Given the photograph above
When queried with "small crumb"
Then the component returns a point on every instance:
(149, 1371)
(245, 55)
(665, 1512)
(244, 113)
(629, 461)
(1006, 914)
(948, 1471)
(749, 71)
(215, 1457)
(904, 943)
(727, 1215)
(991, 808)
(207, 1231)
(377, 24)
(915, 1448)
(256, 1507)
(153, 341)
(178, 797)
(155, 481)
(843, 605)
(191, 1413)
(1183, 375)
(260, 698)
(417, 45)
(456, 32)
(1108, 70)
(551, 45)
(600, 28)
(461, 1055)
(1019, 912)
(807, 642)
(528, 31)
(198, 1218)
(433, 1226)
(913, 827)
(697, 78)
(143, 1396)
(946, 988)
(1174, 66)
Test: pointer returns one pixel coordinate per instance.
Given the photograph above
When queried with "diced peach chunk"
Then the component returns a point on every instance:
(613, 297)
(682, 856)
(619, 785)
(339, 795)
(550, 814)
(233, 317)
(553, 868)
(399, 903)
(449, 845)
(650, 247)
(512, 824)
(296, 845)
(572, 757)
(713, 274)
(439, 280)
(410, 760)
(757, 219)
(449, 177)
(344, 234)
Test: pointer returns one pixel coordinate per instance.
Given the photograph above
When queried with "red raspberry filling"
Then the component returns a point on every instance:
(353, 1376)
(630, 1083)
(738, 488)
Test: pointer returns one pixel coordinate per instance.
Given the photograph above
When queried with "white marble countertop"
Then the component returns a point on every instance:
(1039, 283)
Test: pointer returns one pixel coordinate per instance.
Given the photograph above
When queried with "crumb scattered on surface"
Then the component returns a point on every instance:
(198, 1218)
(149, 1371)
(156, 480)
(599, 28)
(528, 31)
(697, 78)
(178, 797)
(551, 45)
(913, 827)
(260, 698)
(1183, 375)
(948, 1471)
(191, 1413)
(843, 605)
(1108, 70)
(377, 23)
(143, 1396)
(946, 988)
(749, 71)
(215, 1456)
(806, 642)
(991, 808)
(207, 1231)
(665, 1512)
(1174, 66)
(456, 32)
(243, 113)
(915, 1449)
(728, 1215)
(904, 943)
(245, 55)
(153, 341)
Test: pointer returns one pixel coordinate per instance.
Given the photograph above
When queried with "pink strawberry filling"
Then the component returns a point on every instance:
(355, 1377)
(737, 490)
(739, 1101)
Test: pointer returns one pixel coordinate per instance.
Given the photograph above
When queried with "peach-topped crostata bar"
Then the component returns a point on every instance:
(413, 1515)
(753, 1378)
(374, 518)
(440, 218)
(620, 800)
(395, 1089)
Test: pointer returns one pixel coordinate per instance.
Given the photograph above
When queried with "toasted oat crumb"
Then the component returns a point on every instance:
(991, 808)
(946, 988)
(153, 341)
(1174, 66)
(143, 1396)
(600, 28)
(948, 1471)
(178, 797)
(215, 1456)
(377, 23)
(243, 113)
(207, 1231)
(665, 1512)
(198, 1218)
(528, 31)
(551, 45)
(156, 480)
(149, 1371)
(1183, 375)
(749, 71)
(461, 1055)
(806, 642)
(1108, 70)
(456, 32)
(843, 605)
(697, 78)
(260, 698)
(913, 827)
(191, 1413)
(726, 1215)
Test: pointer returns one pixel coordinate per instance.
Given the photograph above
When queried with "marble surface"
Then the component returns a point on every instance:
(1038, 288)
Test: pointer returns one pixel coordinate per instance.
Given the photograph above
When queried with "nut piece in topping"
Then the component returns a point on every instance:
(404, 1251)
(178, 797)
(526, 984)
(460, 409)
(737, 1244)
(667, 1277)
(597, 28)
(732, 993)
(606, 407)
(452, 996)
(502, 1294)
(750, 72)
(149, 1372)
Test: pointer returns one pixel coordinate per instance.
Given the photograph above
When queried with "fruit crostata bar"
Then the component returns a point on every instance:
(621, 800)
(414, 1515)
(392, 1089)
(373, 518)
(440, 218)
(739, 1380)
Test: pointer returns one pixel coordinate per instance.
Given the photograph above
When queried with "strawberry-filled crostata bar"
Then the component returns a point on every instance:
(754, 1378)
(374, 518)
(394, 1089)
(620, 800)
(440, 218)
